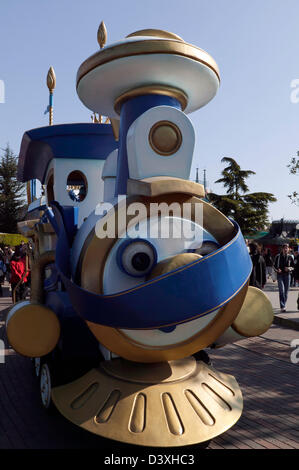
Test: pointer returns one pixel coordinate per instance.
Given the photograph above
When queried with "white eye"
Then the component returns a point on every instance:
(207, 248)
(137, 258)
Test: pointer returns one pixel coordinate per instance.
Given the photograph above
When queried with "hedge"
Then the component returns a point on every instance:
(12, 239)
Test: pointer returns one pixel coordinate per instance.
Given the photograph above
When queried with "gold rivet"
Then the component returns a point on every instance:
(165, 138)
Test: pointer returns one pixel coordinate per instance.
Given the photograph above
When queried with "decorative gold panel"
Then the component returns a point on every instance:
(186, 402)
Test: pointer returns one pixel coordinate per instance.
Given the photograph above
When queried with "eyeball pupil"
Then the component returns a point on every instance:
(141, 261)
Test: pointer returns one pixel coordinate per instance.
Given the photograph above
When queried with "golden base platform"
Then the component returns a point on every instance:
(169, 404)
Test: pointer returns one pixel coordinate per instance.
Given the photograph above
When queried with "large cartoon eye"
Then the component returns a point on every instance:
(137, 258)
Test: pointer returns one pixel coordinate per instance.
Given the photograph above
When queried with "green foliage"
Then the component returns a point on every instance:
(12, 207)
(12, 239)
(234, 178)
(294, 169)
(250, 211)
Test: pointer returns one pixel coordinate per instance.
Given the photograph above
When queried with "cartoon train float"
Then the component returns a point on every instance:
(120, 314)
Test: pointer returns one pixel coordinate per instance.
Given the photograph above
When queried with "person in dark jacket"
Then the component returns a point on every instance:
(296, 270)
(269, 263)
(258, 274)
(2, 273)
(284, 265)
(296, 262)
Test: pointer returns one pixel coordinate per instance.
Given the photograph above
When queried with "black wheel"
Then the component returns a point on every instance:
(47, 382)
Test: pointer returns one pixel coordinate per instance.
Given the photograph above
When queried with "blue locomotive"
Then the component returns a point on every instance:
(133, 272)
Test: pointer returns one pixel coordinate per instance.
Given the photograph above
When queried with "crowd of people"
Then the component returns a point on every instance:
(282, 268)
(15, 269)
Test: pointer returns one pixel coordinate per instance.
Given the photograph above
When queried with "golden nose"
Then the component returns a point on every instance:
(172, 263)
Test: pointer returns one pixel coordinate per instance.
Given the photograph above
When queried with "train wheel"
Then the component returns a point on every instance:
(46, 384)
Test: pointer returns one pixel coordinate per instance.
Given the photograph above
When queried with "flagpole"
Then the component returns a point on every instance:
(102, 39)
(51, 84)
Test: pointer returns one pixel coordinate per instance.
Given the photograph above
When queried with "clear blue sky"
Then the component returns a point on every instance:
(255, 43)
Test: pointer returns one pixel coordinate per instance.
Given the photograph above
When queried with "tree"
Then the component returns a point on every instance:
(12, 204)
(234, 178)
(250, 211)
(294, 169)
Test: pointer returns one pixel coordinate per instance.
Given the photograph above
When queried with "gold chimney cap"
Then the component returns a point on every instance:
(160, 33)
(146, 58)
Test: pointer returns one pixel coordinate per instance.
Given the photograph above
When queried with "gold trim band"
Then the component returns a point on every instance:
(154, 90)
(152, 46)
(160, 33)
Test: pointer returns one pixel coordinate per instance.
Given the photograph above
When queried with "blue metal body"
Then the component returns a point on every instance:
(157, 304)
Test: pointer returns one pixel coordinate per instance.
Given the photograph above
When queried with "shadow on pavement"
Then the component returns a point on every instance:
(270, 417)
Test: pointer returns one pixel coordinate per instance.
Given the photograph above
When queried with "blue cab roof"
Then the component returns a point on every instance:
(84, 140)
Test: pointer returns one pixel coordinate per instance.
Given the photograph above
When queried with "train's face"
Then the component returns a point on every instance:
(162, 274)
(156, 296)
(149, 250)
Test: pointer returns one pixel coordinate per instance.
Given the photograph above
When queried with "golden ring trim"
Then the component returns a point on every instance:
(155, 145)
(152, 46)
(154, 90)
(160, 33)
(112, 338)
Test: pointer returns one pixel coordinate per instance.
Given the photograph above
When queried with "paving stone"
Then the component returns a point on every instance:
(262, 367)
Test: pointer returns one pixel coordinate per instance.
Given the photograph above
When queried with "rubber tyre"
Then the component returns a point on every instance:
(47, 382)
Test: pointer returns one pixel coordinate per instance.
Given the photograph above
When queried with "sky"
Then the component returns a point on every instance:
(254, 118)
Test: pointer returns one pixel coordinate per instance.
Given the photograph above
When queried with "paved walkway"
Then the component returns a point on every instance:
(289, 319)
(269, 383)
(268, 379)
